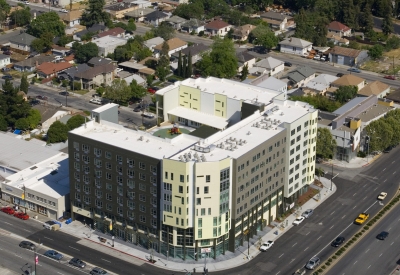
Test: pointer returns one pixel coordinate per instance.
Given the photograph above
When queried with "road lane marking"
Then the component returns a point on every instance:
(310, 232)
(354, 194)
(354, 206)
(381, 254)
(306, 248)
(367, 250)
(369, 267)
(370, 206)
(355, 262)
(25, 230)
(294, 245)
(384, 169)
(292, 260)
(332, 213)
(343, 216)
(17, 256)
(389, 229)
(106, 260)
(392, 243)
(281, 255)
(364, 197)
(8, 223)
(60, 273)
(394, 161)
(48, 238)
(394, 172)
(319, 238)
(375, 188)
(73, 248)
(365, 185)
(278, 273)
(385, 180)
(331, 227)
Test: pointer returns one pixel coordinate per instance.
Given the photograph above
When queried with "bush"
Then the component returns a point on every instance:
(323, 267)
(328, 263)
(334, 257)
(329, 260)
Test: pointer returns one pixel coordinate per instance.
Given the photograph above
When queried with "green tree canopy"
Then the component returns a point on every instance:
(24, 86)
(58, 132)
(3, 123)
(263, 36)
(325, 144)
(22, 124)
(83, 53)
(221, 61)
(376, 51)
(164, 30)
(4, 10)
(244, 73)
(48, 22)
(137, 91)
(380, 135)
(38, 45)
(75, 122)
(21, 17)
(345, 93)
(319, 102)
(193, 9)
(94, 13)
(118, 91)
(34, 118)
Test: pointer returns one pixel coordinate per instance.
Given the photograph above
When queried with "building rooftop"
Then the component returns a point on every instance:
(271, 83)
(154, 42)
(269, 63)
(275, 15)
(173, 44)
(373, 88)
(337, 26)
(23, 38)
(348, 80)
(194, 49)
(50, 67)
(107, 41)
(394, 95)
(349, 105)
(217, 24)
(114, 32)
(295, 42)
(120, 6)
(321, 82)
(373, 112)
(345, 51)
(50, 176)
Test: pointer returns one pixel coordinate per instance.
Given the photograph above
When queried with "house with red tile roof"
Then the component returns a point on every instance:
(50, 69)
(339, 28)
(217, 28)
(118, 32)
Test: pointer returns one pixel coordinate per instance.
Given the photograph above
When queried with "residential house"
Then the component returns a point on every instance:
(50, 69)
(139, 15)
(176, 22)
(107, 44)
(120, 9)
(96, 28)
(244, 58)
(269, 65)
(217, 28)
(139, 80)
(117, 32)
(296, 46)
(196, 50)
(347, 56)
(270, 82)
(300, 76)
(70, 58)
(151, 43)
(69, 74)
(336, 39)
(349, 80)
(4, 60)
(30, 64)
(394, 96)
(142, 3)
(339, 29)
(175, 45)
(72, 18)
(193, 25)
(97, 61)
(60, 51)
(156, 17)
(22, 43)
(319, 85)
(96, 76)
(376, 88)
(277, 20)
(241, 33)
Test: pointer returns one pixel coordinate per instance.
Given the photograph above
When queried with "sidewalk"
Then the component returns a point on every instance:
(139, 255)
(354, 163)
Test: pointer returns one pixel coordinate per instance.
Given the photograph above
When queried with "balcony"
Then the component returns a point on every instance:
(154, 184)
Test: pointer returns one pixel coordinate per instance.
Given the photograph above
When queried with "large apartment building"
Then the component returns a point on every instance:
(248, 154)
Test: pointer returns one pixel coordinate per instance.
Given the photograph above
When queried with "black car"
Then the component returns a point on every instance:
(27, 244)
(340, 75)
(7, 76)
(7, 52)
(338, 241)
(5, 48)
(78, 263)
(382, 235)
(5, 69)
(288, 64)
(34, 102)
(64, 93)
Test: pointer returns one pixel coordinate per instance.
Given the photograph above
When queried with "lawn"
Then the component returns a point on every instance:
(385, 64)
(164, 133)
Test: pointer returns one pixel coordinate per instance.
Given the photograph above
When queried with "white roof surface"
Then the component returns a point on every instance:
(132, 65)
(138, 78)
(269, 63)
(202, 118)
(153, 42)
(109, 40)
(49, 177)
(17, 154)
(105, 107)
(272, 83)
(321, 82)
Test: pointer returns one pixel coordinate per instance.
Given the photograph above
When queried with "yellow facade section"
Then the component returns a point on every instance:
(355, 124)
(220, 105)
(189, 97)
(176, 173)
(386, 102)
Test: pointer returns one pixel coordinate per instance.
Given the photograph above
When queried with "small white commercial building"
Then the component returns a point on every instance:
(107, 44)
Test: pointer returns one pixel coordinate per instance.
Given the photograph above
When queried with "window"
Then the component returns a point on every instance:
(166, 175)
(98, 163)
(130, 194)
(181, 189)
(130, 173)
(167, 197)
(99, 203)
(119, 210)
(130, 162)
(205, 189)
(142, 218)
(142, 165)
(203, 211)
(142, 176)
(199, 233)
(97, 152)
(77, 156)
(108, 155)
(153, 180)
(142, 186)
(130, 184)
(198, 201)
(182, 178)
(108, 166)
(118, 169)
(142, 208)
(208, 178)
(85, 148)
(142, 197)
(167, 186)
(293, 132)
(108, 186)
(209, 211)
(299, 128)
(86, 158)
(108, 197)
(108, 176)
(118, 158)
(77, 196)
(153, 169)
(77, 166)
(76, 145)
(172, 176)
(200, 222)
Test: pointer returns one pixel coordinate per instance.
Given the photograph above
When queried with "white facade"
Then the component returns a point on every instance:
(4, 60)
(107, 44)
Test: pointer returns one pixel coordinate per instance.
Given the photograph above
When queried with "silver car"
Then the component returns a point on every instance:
(306, 214)
(313, 263)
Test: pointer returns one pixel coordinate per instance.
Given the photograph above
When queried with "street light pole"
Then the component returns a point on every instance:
(112, 241)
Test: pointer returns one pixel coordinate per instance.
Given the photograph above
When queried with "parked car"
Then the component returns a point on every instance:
(5, 48)
(313, 263)
(382, 236)
(64, 93)
(298, 220)
(5, 69)
(8, 210)
(339, 75)
(8, 52)
(148, 115)
(96, 101)
(64, 11)
(27, 245)
(98, 270)
(317, 57)
(267, 245)
(48, 224)
(382, 196)
(21, 215)
(7, 76)
(338, 241)
(151, 90)
(34, 102)
(287, 64)
(306, 214)
(53, 254)
(76, 262)
(137, 109)
(323, 58)
(41, 97)
(392, 77)
(354, 70)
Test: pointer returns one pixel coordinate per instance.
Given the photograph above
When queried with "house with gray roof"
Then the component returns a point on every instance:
(156, 17)
(244, 58)
(176, 21)
(277, 20)
(30, 64)
(97, 61)
(139, 15)
(300, 76)
(193, 25)
(319, 85)
(151, 43)
(270, 82)
(296, 46)
(96, 76)
(269, 65)
(22, 42)
(69, 74)
(196, 50)
(96, 28)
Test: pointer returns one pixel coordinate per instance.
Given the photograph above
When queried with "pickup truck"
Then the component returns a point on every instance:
(361, 218)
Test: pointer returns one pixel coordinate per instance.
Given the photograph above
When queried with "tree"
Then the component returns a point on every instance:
(64, 40)
(58, 132)
(137, 91)
(387, 23)
(184, 67)
(304, 25)
(48, 22)
(83, 53)
(367, 19)
(4, 10)
(244, 72)
(22, 124)
(345, 93)
(189, 68)
(221, 61)
(24, 86)
(380, 135)
(75, 122)
(263, 36)
(190, 10)
(320, 31)
(376, 51)
(179, 70)
(164, 30)
(149, 79)
(392, 43)
(21, 17)
(3, 123)
(94, 13)
(162, 68)
(118, 91)
(33, 118)
(88, 36)
(325, 144)
(38, 45)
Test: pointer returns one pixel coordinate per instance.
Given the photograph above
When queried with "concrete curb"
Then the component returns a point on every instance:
(372, 160)
(351, 246)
